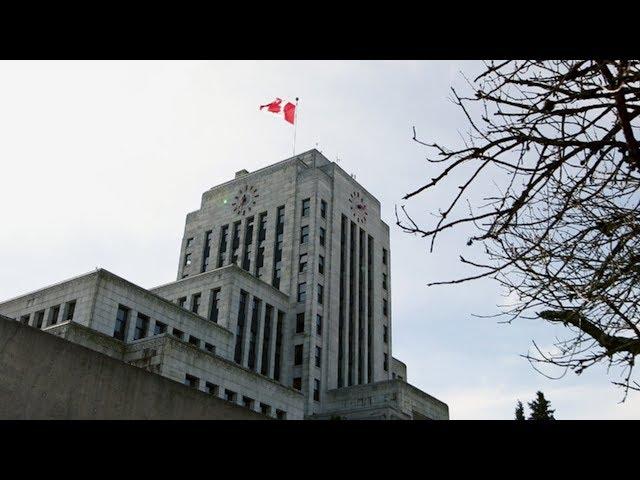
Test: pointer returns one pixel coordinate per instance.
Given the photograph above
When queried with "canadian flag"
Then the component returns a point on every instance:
(288, 110)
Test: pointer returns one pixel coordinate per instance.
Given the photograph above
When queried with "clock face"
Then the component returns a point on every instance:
(245, 200)
(358, 207)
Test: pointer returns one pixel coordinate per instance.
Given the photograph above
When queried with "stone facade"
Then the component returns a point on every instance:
(282, 297)
(43, 377)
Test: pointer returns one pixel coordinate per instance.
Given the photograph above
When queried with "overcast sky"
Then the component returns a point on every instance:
(101, 161)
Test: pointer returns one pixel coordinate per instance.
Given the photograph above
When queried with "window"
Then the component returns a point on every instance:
(302, 292)
(194, 340)
(191, 381)
(297, 383)
(142, 325)
(277, 274)
(297, 360)
(39, 319)
(189, 242)
(69, 310)
(316, 389)
(235, 243)
(242, 312)
(212, 388)
(384, 281)
(385, 334)
(195, 302)
(178, 333)
(302, 263)
(342, 314)
(222, 250)
(262, 227)
(277, 250)
(281, 415)
(386, 362)
(321, 264)
(53, 315)
(209, 348)
(248, 244)
(207, 251)
(213, 311)
(266, 340)
(24, 319)
(247, 402)
(385, 307)
(253, 331)
(318, 356)
(370, 302)
(304, 234)
(319, 324)
(300, 323)
(265, 409)
(320, 294)
(306, 203)
(322, 236)
(159, 328)
(323, 209)
(262, 235)
(278, 353)
(121, 322)
(384, 256)
(187, 259)
(361, 307)
(351, 357)
(229, 395)
(181, 301)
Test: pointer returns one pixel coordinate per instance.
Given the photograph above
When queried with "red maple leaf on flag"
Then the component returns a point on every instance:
(289, 110)
(273, 106)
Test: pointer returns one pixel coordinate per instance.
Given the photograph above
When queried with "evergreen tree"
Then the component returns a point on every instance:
(540, 408)
(520, 411)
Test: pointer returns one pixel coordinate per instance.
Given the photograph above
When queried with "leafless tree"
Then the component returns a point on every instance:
(563, 235)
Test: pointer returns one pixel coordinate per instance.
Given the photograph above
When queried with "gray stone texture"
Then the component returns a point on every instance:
(43, 377)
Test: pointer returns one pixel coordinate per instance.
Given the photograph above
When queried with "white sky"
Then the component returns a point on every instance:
(102, 160)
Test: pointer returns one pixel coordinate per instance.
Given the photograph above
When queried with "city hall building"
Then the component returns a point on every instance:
(282, 302)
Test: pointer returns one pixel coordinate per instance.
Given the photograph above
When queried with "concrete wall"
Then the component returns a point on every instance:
(391, 399)
(46, 377)
(173, 358)
(398, 369)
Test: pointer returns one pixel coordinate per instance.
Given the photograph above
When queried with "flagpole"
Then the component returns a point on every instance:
(295, 125)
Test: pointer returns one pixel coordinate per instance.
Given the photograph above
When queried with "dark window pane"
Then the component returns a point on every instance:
(191, 381)
(142, 325)
(298, 355)
(304, 234)
(195, 302)
(70, 310)
(302, 292)
(159, 328)
(302, 263)
(121, 322)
